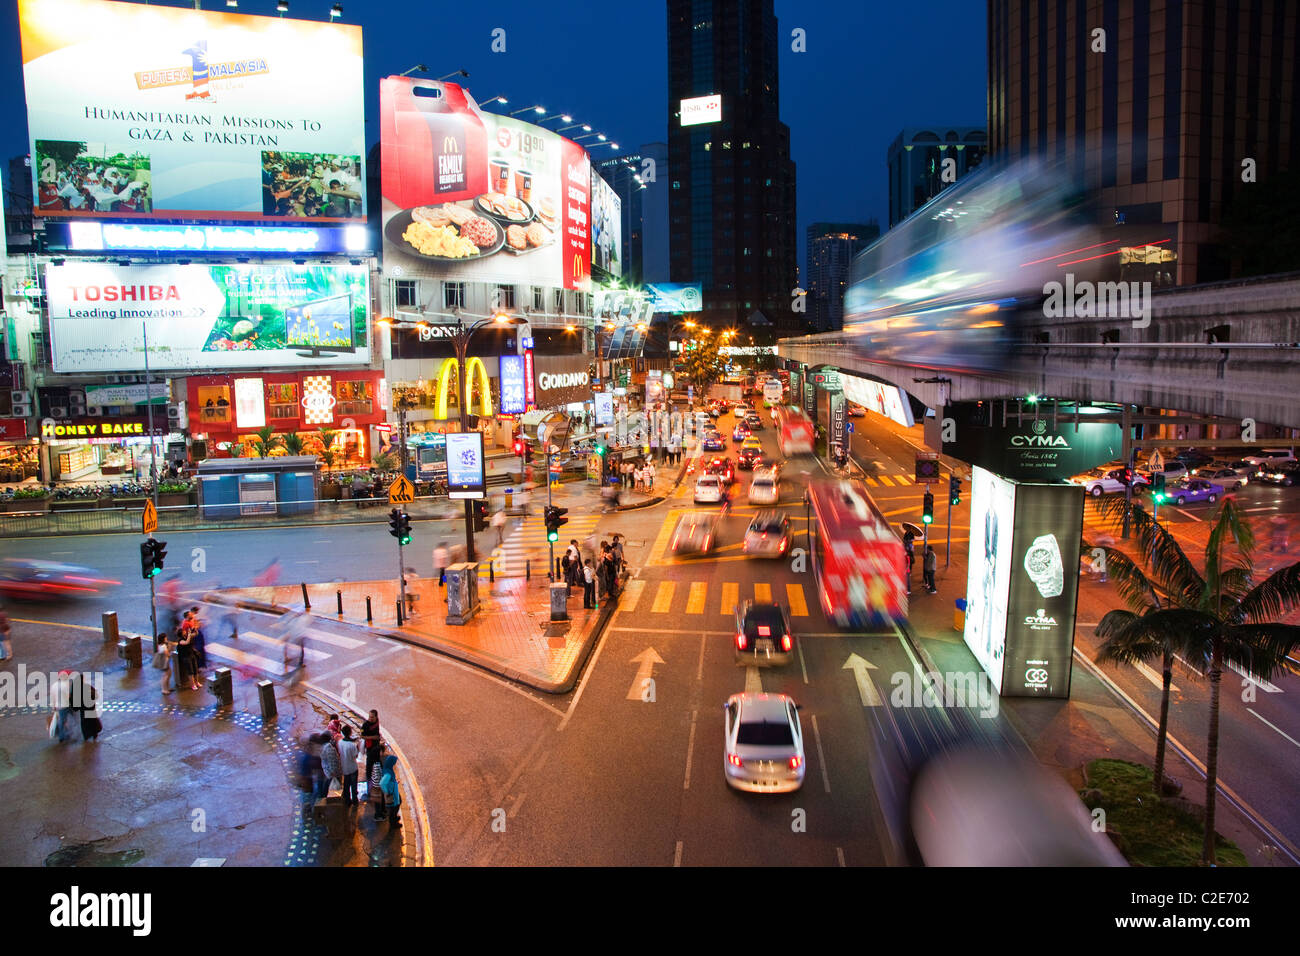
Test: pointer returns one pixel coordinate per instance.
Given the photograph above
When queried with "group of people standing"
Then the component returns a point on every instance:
(331, 756)
(75, 699)
(598, 576)
(637, 474)
(929, 563)
(186, 644)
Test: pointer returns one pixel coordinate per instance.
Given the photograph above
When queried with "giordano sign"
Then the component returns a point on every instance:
(1034, 449)
(562, 379)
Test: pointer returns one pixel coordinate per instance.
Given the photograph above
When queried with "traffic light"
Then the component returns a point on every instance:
(1158, 486)
(954, 490)
(399, 526)
(480, 515)
(927, 508)
(520, 448)
(152, 555)
(554, 517)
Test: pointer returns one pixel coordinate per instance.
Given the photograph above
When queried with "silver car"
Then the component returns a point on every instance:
(768, 535)
(763, 748)
(694, 534)
(765, 489)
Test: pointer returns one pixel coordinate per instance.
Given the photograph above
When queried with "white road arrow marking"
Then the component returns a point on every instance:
(1257, 681)
(866, 689)
(647, 660)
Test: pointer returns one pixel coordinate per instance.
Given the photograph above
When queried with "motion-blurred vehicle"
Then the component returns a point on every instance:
(1271, 456)
(709, 489)
(768, 535)
(1194, 458)
(754, 422)
(1173, 471)
(749, 458)
(1101, 481)
(30, 579)
(763, 634)
(713, 441)
(856, 411)
(740, 432)
(694, 534)
(1228, 477)
(721, 467)
(857, 557)
(795, 434)
(1243, 469)
(1195, 490)
(1286, 474)
(763, 749)
(765, 489)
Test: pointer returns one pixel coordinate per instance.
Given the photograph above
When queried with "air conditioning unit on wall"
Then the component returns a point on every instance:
(95, 411)
(58, 411)
(21, 410)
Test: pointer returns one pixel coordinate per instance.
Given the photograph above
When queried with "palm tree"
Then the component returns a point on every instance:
(326, 439)
(265, 443)
(293, 444)
(1220, 617)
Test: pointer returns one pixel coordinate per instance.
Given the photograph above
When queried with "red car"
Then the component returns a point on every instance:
(29, 579)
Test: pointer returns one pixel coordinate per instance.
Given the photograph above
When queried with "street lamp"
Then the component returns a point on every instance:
(419, 66)
(535, 107)
(496, 99)
(464, 73)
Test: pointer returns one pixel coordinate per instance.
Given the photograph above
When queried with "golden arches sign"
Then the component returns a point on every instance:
(444, 383)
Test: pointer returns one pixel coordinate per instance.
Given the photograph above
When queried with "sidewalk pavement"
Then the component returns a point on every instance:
(511, 634)
(1064, 735)
(171, 781)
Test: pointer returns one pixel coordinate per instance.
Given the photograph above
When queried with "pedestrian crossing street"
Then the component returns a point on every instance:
(527, 542)
(273, 656)
(702, 599)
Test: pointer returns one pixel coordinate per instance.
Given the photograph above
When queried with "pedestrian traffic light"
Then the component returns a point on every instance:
(399, 526)
(954, 490)
(152, 555)
(480, 515)
(520, 447)
(927, 508)
(1158, 486)
(554, 517)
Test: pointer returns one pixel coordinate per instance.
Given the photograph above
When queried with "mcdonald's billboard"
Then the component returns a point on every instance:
(472, 196)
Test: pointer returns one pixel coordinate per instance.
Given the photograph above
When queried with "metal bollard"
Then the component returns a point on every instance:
(266, 697)
(109, 622)
(492, 574)
(528, 569)
(339, 595)
(221, 686)
(399, 613)
(557, 569)
(306, 601)
(369, 617)
(129, 650)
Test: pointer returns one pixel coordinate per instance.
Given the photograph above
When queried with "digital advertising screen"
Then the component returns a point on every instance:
(1044, 575)
(473, 196)
(94, 236)
(701, 109)
(155, 112)
(604, 408)
(512, 385)
(465, 465)
(993, 508)
(202, 317)
(606, 228)
(887, 400)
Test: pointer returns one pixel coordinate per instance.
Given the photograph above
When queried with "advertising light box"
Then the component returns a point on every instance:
(472, 196)
(887, 400)
(512, 385)
(206, 317)
(465, 478)
(159, 112)
(701, 109)
(606, 228)
(91, 236)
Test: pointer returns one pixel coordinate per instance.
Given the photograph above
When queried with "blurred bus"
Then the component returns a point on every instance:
(858, 559)
(794, 431)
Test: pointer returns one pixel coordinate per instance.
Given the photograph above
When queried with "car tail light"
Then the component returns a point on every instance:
(786, 643)
(741, 640)
(784, 542)
(734, 760)
(795, 763)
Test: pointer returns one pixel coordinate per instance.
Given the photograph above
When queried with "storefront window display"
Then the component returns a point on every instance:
(214, 404)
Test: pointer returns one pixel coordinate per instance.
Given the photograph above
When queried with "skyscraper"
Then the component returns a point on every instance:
(643, 190)
(731, 197)
(1153, 104)
(831, 248)
(918, 164)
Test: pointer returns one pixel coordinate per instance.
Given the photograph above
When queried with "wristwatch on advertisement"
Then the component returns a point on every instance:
(1043, 564)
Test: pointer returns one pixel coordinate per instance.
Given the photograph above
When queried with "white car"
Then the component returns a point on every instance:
(768, 535)
(708, 489)
(1173, 471)
(1271, 457)
(765, 489)
(763, 746)
(1101, 481)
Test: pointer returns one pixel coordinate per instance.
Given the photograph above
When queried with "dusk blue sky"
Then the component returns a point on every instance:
(871, 68)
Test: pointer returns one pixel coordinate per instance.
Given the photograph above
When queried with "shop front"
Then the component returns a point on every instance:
(563, 383)
(332, 413)
(19, 455)
(432, 394)
(102, 447)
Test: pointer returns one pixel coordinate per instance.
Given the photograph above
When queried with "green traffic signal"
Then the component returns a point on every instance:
(552, 536)
(404, 539)
(927, 519)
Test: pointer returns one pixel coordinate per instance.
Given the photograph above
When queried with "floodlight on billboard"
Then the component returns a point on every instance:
(151, 112)
(473, 196)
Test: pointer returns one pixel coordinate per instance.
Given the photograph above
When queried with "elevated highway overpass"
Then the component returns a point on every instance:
(1228, 349)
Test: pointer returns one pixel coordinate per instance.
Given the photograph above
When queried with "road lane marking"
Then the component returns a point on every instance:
(699, 669)
(753, 681)
(308, 653)
(631, 595)
(730, 598)
(690, 750)
(762, 592)
(1187, 514)
(645, 662)
(839, 855)
(1275, 727)
(798, 606)
(798, 646)
(821, 757)
(664, 598)
(514, 808)
(904, 480)
(695, 601)
(677, 854)
(657, 630)
(884, 480)
(1257, 681)
(871, 481)
(348, 643)
(245, 658)
(1155, 678)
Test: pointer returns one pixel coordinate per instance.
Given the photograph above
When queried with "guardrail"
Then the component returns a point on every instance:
(119, 520)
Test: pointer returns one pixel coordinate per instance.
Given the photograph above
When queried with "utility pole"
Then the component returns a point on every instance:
(550, 492)
(153, 471)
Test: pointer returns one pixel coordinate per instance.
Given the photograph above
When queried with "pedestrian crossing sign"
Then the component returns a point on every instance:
(401, 491)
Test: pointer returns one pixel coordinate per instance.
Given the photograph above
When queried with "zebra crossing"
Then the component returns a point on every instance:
(698, 599)
(527, 542)
(274, 656)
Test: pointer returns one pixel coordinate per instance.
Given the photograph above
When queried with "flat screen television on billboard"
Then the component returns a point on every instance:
(320, 324)
(139, 111)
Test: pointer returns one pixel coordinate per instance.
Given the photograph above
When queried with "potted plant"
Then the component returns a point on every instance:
(293, 444)
(172, 493)
(34, 498)
(265, 442)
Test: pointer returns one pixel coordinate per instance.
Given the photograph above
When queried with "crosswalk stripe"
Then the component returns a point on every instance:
(884, 479)
(664, 597)
(631, 595)
(309, 653)
(695, 602)
(871, 481)
(904, 480)
(730, 598)
(798, 606)
(762, 592)
(348, 643)
(244, 657)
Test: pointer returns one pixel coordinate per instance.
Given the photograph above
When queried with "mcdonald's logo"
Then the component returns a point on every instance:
(450, 145)
(578, 271)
